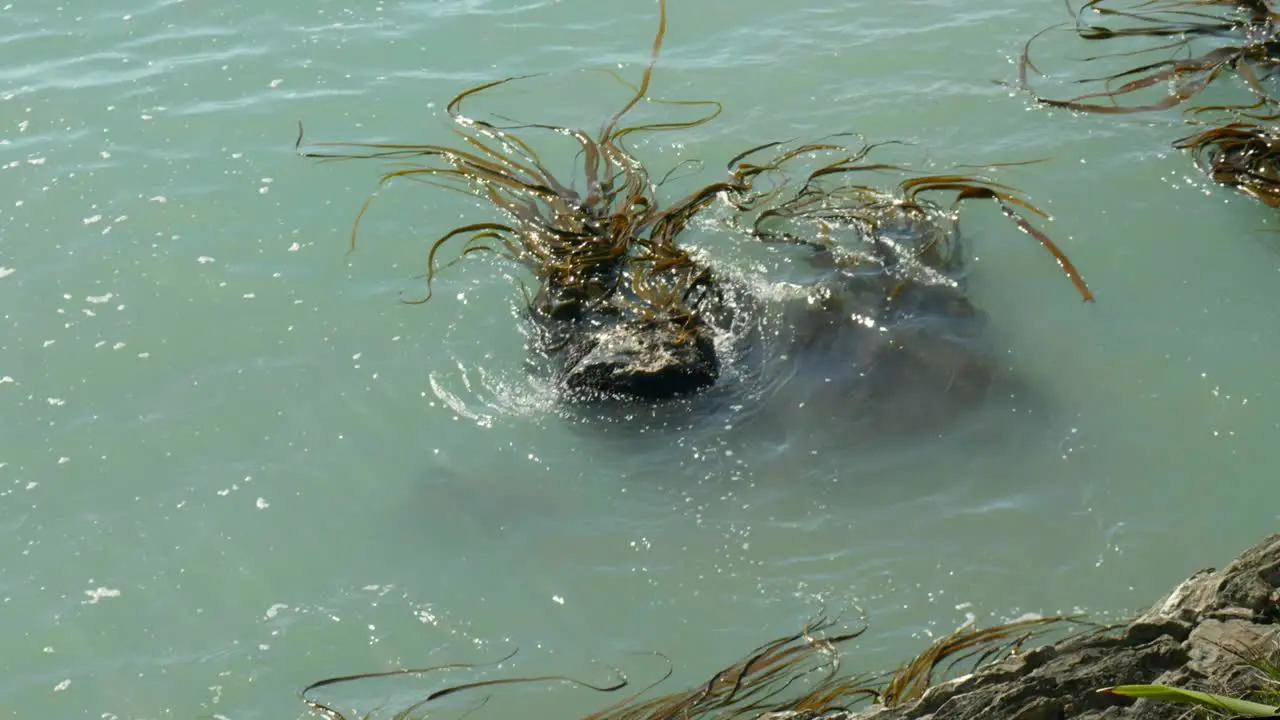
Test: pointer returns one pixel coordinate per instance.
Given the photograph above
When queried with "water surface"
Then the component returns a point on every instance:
(233, 462)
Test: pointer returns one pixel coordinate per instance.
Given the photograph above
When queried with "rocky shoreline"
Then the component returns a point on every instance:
(1190, 639)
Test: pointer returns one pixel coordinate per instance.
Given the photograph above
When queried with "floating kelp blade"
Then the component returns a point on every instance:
(329, 712)
(796, 677)
(1246, 32)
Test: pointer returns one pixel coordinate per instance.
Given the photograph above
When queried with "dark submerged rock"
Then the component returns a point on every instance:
(604, 343)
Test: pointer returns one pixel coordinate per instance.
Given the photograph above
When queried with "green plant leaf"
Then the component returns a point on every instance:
(1190, 697)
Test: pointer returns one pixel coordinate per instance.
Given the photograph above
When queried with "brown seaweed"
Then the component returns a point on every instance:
(613, 240)
(978, 645)
(797, 676)
(1247, 35)
(1242, 152)
(586, 243)
(1241, 148)
(869, 208)
(326, 711)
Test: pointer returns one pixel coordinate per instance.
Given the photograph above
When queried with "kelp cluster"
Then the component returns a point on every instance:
(1241, 153)
(577, 241)
(607, 251)
(797, 677)
(1244, 43)
(1195, 43)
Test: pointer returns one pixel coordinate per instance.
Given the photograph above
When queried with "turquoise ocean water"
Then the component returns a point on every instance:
(233, 462)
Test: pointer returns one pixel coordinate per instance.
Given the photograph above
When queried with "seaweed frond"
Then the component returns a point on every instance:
(1242, 153)
(797, 677)
(573, 234)
(1244, 39)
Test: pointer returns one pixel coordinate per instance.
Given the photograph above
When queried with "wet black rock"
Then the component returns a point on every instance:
(645, 361)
